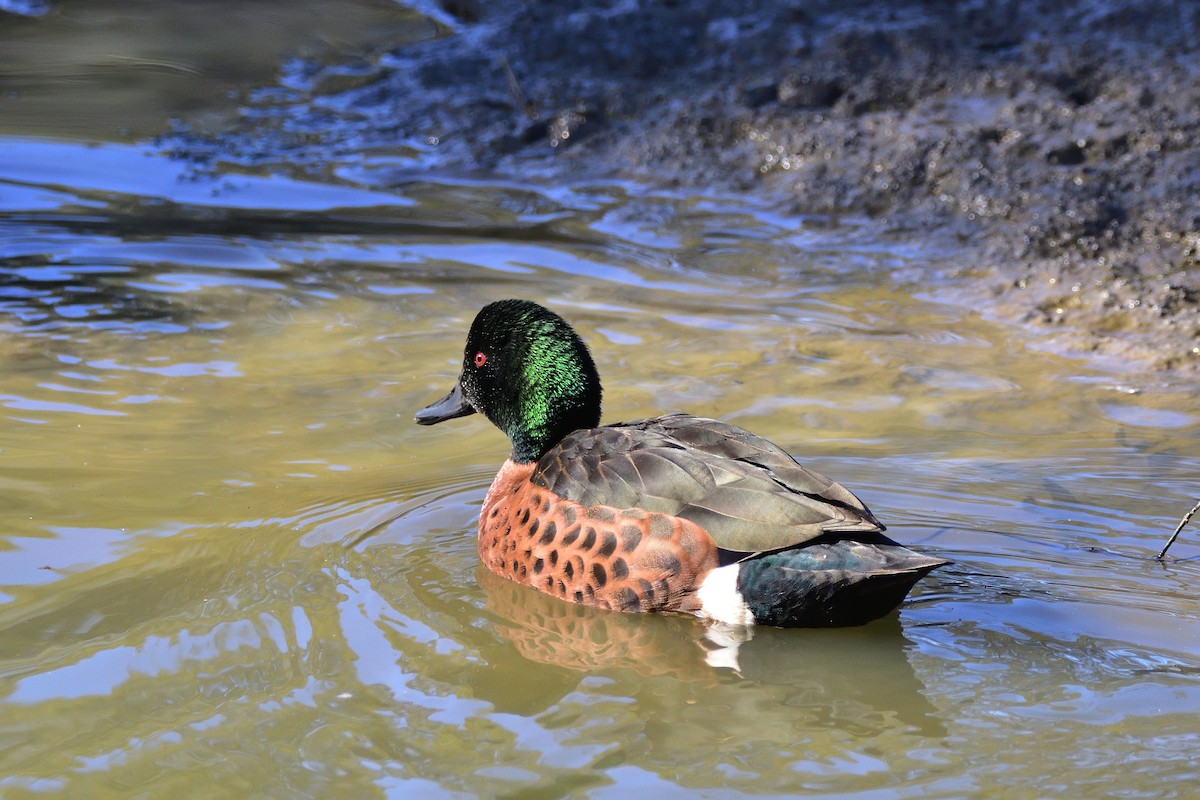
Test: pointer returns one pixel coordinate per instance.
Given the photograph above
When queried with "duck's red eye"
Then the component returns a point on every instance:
(480, 359)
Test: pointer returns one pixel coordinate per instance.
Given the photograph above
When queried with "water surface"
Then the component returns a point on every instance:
(229, 561)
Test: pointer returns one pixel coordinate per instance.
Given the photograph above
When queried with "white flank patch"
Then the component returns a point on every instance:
(720, 599)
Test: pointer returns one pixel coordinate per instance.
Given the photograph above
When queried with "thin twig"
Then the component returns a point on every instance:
(515, 87)
(1187, 518)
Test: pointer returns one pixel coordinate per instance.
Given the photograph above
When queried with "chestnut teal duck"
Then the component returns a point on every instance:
(671, 514)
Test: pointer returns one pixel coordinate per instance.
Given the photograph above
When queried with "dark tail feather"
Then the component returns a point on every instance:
(831, 584)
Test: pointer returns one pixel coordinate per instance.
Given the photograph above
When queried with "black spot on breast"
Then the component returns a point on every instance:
(533, 529)
(609, 545)
(546, 506)
(661, 527)
(524, 515)
(549, 581)
(570, 537)
(626, 599)
(538, 566)
(537, 499)
(599, 574)
(495, 511)
(569, 569)
(579, 597)
(645, 589)
(549, 533)
(620, 569)
(589, 539)
(630, 537)
(553, 558)
(668, 563)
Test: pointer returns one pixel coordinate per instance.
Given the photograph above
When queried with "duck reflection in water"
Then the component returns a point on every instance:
(862, 672)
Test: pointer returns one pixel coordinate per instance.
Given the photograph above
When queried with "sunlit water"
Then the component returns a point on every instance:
(231, 565)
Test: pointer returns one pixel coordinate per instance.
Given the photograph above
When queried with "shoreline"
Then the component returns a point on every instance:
(1056, 147)
(1053, 149)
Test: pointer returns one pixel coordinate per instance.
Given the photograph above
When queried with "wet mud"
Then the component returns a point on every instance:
(1051, 148)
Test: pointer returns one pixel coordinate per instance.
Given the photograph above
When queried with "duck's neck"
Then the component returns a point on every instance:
(559, 393)
(543, 423)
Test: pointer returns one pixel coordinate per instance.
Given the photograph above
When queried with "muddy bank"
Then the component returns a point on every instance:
(1053, 146)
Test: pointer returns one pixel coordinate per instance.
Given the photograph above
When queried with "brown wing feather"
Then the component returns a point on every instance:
(747, 493)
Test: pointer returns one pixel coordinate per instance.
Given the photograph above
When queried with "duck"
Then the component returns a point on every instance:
(674, 513)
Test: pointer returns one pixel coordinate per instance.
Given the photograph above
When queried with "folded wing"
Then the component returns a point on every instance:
(749, 494)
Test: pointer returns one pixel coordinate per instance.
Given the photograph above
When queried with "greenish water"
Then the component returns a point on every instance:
(230, 565)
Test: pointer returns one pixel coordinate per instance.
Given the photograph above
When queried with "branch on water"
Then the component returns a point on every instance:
(1186, 519)
(514, 86)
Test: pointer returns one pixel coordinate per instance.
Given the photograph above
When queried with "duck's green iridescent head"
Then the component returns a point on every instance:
(526, 370)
